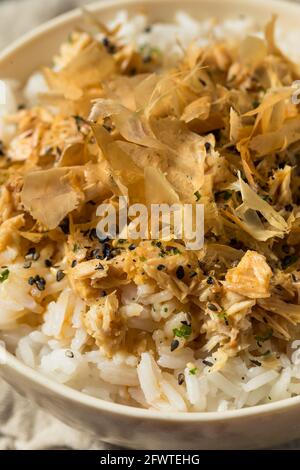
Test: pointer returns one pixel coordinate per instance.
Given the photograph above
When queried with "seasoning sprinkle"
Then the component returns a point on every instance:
(180, 378)
(180, 272)
(69, 354)
(4, 275)
(255, 362)
(212, 307)
(27, 265)
(60, 275)
(207, 363)
(174, 345)
(160, 267)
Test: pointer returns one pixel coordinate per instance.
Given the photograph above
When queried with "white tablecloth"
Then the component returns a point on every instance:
(22, 424)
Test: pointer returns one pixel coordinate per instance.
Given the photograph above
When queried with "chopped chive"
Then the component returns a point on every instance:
(183, 332)
(262, 338)
(4, 275)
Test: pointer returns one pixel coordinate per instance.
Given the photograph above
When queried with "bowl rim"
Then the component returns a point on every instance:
(68, 393)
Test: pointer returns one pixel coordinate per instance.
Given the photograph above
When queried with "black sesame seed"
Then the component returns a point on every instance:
(132, 247)
(74, 262)
(40, 279)
(48, 263)
(210, 280)
(103, 293)
(32, 255)
(27, 265)
(193, 274)
(99, 267)
(96, 254)
(180, 378)
(207, 363)
(31, 281)
(148, 29)
(180, 272)
(160, 267)
(106, 251)
(2, 151)
(69, 354)
(60, 275)
(212, 307)
(207, 146)
(40, 285)
(256, 363)
(65, 226)
(174, 345)
(288, 207)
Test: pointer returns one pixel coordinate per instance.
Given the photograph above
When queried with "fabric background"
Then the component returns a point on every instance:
(22, 424)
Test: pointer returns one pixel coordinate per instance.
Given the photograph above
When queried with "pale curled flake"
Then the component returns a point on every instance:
(131, 125)
(251, 277)
(93, 269)
(198, 109)
(249, 219)
(109, 311)
(82, 71)
(235, 125)
(289, 311)
(277, 140)
(164, 192)
(9, 228)
(50, 195)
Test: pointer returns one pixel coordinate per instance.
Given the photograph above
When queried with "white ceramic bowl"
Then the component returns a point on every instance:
(254, 427)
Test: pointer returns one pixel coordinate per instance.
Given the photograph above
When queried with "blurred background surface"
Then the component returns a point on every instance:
(19, 16)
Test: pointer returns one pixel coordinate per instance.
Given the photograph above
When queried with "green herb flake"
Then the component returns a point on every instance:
(262, 338)
(183, 332)
(193, 371)
(4, 275)
(223, 316)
